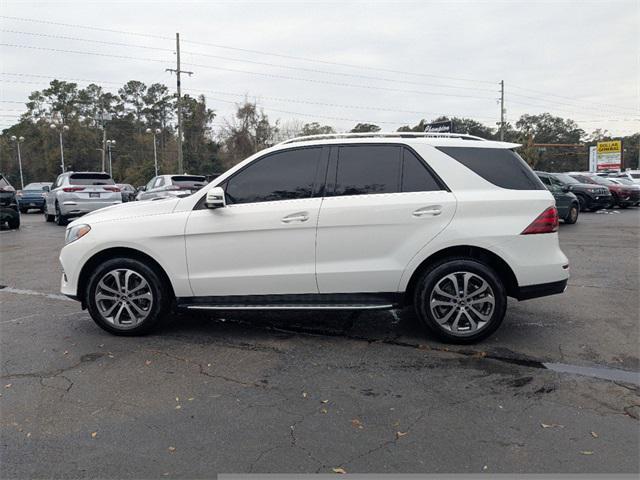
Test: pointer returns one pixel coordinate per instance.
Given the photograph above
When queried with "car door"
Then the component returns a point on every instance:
(263, 241)
(563, 199)
(50, 198)
(383, 204)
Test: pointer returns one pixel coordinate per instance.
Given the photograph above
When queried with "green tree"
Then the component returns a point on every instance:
(365, 127)
(314, 128)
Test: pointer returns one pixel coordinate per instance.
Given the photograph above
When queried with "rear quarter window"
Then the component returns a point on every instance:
(90, 179)
(499, 166)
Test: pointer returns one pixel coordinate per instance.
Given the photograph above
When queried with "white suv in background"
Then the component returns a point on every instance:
(451, 224)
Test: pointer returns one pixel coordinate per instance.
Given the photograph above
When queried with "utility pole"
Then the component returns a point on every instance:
(502, 110)
(179, 101)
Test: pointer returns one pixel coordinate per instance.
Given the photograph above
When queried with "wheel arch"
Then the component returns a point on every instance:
(118, 252)
(489, 258)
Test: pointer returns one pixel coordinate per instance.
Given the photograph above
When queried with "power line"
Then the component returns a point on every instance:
(246, 50)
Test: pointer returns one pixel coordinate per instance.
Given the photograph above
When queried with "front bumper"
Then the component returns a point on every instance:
(600, 201)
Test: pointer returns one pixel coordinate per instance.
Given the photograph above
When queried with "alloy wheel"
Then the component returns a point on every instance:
(462, 303)
(124, 298)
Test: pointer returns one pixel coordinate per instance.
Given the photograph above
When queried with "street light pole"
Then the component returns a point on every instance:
(63, 128)
(155, 149)
(110, 143)
(18, 141)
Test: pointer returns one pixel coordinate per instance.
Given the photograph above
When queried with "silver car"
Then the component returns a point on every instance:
(171, 186)
(75, 193)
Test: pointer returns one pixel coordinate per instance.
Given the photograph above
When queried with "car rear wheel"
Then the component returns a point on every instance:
(127, 297)
(59, 218)
(14, 224)
(572, 214)
(460, 300)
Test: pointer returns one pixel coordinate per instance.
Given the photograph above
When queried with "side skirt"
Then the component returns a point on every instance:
(312, 301)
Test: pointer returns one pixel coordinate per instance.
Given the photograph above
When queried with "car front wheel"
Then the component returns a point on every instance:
(59, 218)
(460, 300)
(127, 297)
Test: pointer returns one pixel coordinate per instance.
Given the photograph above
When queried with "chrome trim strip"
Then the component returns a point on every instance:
(289, 307)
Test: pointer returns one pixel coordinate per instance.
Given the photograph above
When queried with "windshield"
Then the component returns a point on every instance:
(564, 178)
(624, 181)
(601, 181)
(635, 175)
(90, 179)
(584, 179)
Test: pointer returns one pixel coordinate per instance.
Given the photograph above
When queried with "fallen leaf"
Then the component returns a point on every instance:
(323, 410)
(325, 401)
(29, 435)
(400, 434)
(65, 352)
(551, 425)
(304, 394)
(208, 364)
(586, 452)
(178, 407)
(594, 434)
(94, 434)
(8, 385)
(339, 470)
(172, 449)
(190, 399)
(356, 423)
(177, 399)
(147, 362)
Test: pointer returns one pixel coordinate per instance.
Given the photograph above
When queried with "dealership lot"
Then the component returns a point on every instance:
(316, 392)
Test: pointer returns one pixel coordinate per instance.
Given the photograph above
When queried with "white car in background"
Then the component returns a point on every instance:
(451, 224)
(633, 175)
(171, 186)
(74, 194)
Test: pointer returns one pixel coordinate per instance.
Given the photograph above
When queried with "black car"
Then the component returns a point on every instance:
(128, 192)
(9, 211)
(566, 202)
(591, 197)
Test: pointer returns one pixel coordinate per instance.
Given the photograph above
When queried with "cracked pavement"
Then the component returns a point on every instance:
(309, 392)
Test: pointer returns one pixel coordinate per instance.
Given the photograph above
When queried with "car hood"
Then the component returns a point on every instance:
(130, 210)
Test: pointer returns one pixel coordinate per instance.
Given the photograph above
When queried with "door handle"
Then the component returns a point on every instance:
(296, 217)
(431, 210)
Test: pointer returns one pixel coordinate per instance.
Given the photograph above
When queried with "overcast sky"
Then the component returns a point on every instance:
(404, 60)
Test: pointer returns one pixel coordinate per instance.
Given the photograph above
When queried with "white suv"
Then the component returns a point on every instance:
(452, 224)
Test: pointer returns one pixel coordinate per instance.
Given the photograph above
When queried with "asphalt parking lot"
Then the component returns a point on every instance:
(313, 393)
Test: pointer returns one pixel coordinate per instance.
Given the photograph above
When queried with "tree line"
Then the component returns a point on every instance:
(209, 150)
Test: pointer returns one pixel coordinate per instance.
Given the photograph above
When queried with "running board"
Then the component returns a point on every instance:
(313, 301)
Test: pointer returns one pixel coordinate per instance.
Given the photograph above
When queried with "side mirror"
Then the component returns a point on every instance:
(46, 188)
(215, 198)
(143, 188)
(566, 188)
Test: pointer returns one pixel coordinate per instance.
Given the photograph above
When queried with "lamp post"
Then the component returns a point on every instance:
(61, 128)
(18, 141)
(155, 150)
(110, 143)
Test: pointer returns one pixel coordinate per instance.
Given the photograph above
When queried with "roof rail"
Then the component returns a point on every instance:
(329, 136)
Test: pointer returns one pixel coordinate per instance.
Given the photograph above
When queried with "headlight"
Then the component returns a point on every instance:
(76, 232)
(592, 190)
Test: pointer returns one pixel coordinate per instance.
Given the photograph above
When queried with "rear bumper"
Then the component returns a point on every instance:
(76, 209)
(541, 290)
(31, 202)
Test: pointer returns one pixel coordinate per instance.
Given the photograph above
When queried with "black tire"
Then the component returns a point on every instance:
(24, 210)
(47, 217)
(14, 224)
(582, 201)
(433, 277)
(572, 214)
(60, 219)
(158, 312)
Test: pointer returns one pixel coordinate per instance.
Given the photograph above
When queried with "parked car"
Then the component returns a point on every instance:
(128, 192)
(591, 197)
(633, 175)
(451, 224)
(621, 195)
(633, 186)
(171, 186)
(9, 211)
(566, 202)
(33, 196)
(74, 194)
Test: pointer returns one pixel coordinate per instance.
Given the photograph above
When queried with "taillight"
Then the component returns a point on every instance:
(111, 189)
(171, 187)
(72, 189)
(547, 222)
(19, 193)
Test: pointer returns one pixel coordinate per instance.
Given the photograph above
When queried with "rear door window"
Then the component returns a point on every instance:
(499, 166)
(415, 175)
(367, 169)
